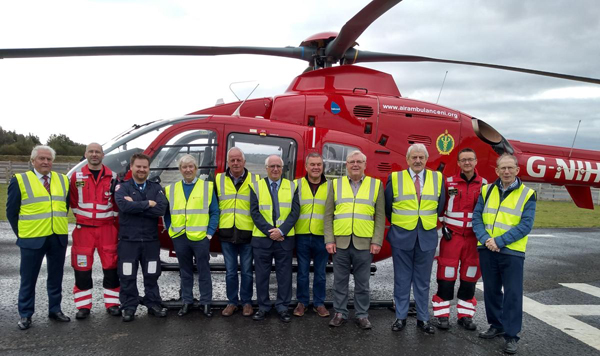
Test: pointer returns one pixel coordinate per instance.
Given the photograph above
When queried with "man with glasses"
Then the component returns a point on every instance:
(274, 207)
(502, 219)
(353, 225)
(459, 245)
(413, 201)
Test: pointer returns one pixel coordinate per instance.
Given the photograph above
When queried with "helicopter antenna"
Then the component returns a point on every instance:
(573, 144)
(444, 81)
(237, 111)
(232, 84)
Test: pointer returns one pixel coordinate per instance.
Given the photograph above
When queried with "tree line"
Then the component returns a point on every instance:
(12, 143)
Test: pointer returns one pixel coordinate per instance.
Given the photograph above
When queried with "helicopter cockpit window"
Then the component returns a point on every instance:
(202, 144)
(334, 159)
(257, 148)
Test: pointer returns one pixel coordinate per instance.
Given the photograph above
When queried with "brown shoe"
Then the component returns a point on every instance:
(338, 320)
(321, 311)
(364, 323)
(247, 311)
(300, 309)
(229, 310)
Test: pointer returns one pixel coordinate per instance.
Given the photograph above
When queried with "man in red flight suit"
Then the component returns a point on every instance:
(459, 245)
(93, 205)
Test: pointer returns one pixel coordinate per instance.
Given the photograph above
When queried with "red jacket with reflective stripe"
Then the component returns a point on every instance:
(461, 199)
(91, 201)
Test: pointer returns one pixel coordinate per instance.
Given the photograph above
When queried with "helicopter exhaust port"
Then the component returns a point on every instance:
(491, 136)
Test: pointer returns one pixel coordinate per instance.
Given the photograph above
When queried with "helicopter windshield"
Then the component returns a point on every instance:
(118, 151)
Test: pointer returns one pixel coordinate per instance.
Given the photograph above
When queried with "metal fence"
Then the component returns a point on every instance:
(8, 168)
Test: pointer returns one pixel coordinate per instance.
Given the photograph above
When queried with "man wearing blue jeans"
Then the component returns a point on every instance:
(235, 230)
(312, 191)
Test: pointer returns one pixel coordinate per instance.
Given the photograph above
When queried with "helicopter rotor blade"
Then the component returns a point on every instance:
(303, 53)
(356, 26)
(366, 56)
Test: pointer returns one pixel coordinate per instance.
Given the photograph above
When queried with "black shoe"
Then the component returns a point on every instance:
(24, 323)
(284, 316)
(442, 323)
(59, 316)
(157, 311)
(467, 323)
(510, 346)
(425, 327)
(114, 310)
(399, 324)
(491, 333)
(82, 313)
(206, 310)
(260, 315)
(128, 315)
(184, 310)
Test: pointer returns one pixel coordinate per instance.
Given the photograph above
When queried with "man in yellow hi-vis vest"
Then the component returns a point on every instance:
(414, 198)
(36, 207)
(192, 219)
(274, 207)
(502, 219)
(312, 191)
(353, 225)
(235, 230)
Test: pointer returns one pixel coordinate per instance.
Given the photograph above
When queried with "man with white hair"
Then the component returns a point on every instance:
(274, 207)
(36, 208)
(413, 201)
(192, 219)
(353, 226)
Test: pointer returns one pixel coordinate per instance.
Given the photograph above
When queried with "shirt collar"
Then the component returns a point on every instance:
(39, 175)
(192, 183)
(413, 174)
(276, 182)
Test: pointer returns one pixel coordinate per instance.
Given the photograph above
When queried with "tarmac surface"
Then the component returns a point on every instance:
(562, 315)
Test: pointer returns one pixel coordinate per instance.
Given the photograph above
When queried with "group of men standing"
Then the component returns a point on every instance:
(264, 220)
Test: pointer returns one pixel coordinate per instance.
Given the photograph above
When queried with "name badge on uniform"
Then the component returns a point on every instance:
(80, 184)
(452, 191)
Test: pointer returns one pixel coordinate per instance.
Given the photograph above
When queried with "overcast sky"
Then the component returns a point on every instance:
(93, 99)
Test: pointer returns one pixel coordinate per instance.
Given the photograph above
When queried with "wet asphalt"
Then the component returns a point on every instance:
(554, 256)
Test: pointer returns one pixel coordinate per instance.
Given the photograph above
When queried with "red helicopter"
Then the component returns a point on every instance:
(332, 109)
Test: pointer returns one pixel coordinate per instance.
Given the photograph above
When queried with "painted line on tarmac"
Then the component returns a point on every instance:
(541, 235)
(561, 316)
(582, 287)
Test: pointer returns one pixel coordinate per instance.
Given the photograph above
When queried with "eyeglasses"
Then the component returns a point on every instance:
(465, 160)
(275, 166)
(507, 168)
(355, 162)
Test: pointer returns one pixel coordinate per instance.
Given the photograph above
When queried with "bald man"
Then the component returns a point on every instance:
(93, 205)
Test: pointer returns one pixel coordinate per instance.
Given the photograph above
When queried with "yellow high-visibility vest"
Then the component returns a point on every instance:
(312, 208)
(498, 217)
(42, 214)
(406, 208)
(355, 214)
(189, 216)
(235, 204)
(285, 195)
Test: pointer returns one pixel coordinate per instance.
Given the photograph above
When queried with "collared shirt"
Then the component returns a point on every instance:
(234, 179)
(41, 176)
(511, 186)
(421, 177)
(276, 182)
(356, 185)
